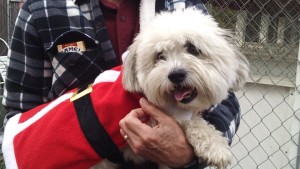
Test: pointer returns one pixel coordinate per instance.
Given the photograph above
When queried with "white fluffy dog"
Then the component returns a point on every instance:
(184, 63)
(181, 61)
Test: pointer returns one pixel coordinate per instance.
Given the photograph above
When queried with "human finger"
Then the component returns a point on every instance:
(152, 111)
(124, 135)
(132, 125)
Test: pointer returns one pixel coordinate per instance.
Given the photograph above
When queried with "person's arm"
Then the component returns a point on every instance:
(226, 116)
(29, 72)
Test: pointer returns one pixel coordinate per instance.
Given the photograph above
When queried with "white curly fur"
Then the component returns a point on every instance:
(215, 67)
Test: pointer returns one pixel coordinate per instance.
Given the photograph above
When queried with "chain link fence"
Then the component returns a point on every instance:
(268, 32)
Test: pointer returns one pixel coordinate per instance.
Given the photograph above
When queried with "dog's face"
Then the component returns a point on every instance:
(184, 59)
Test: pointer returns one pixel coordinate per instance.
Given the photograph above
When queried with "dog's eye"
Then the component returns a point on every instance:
(192, 49)
(161, 56)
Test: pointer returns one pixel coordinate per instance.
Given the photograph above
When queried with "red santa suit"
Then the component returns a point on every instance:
(30, 144)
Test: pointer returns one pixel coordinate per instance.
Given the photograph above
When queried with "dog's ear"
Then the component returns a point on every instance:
(242, 65)
(242, 70)
(129, 79)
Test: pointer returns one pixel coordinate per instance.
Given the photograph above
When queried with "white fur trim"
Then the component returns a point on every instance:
(107, 76)
(7, 144)
(147, 12)
(13, 128)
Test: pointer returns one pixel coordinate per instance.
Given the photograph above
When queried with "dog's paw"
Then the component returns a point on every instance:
(218, 155)
(208, 143)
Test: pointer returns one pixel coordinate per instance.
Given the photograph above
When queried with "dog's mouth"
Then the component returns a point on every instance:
(184, 94)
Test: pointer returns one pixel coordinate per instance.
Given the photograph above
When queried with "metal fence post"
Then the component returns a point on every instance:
(297, 102)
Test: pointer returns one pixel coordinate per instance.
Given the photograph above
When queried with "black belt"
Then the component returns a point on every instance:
(95, 133)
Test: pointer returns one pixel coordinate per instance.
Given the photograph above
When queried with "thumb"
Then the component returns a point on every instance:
(152, 110)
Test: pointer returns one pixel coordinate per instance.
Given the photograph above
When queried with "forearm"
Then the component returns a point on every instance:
(226, 116)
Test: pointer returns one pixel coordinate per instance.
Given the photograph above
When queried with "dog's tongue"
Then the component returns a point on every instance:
(179, 95)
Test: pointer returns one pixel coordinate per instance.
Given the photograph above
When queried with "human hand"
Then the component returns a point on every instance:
(164, 143)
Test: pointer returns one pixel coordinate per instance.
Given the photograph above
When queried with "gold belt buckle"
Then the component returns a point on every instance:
(77, 95)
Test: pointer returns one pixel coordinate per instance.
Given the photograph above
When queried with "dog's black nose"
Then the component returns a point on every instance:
(177, 76)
